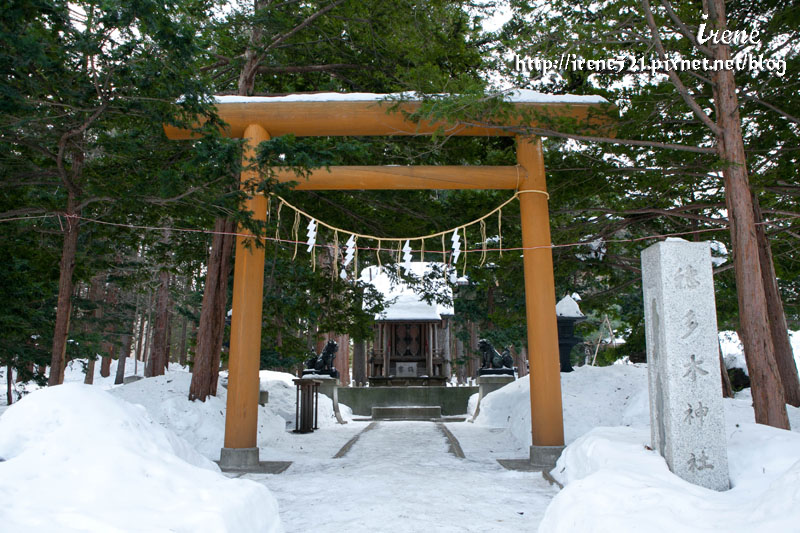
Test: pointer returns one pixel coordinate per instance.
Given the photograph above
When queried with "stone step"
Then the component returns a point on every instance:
(407, 412)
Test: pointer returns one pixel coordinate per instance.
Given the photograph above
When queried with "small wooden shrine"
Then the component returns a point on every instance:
(411, 346)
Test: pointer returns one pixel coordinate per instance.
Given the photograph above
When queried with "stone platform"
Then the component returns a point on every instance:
(407, 412)
(407, 381)
(451, 400)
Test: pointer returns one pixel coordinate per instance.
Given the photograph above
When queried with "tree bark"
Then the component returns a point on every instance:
(140, 313)
(205, 368)
(128, 326)
(64, 306)
(105, 366)
(124, 350)
(112, 296)
(182, 345)
(184, 327)
(520, 360)
(784, 357)
(727, 389)
(159, 353)
(9, 385)
(95, 296)
(168, 351)
(768, 395)
(88, 379)
(148, 337)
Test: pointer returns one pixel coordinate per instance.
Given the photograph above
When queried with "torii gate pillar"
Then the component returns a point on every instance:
(547, 423)
(241, 419)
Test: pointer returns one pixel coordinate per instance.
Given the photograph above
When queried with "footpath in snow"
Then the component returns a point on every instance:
(400, 477)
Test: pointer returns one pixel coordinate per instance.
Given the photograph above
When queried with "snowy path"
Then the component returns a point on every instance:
(400, 477)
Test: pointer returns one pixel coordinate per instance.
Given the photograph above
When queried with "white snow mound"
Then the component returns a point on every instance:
(614, 483)
(592, 396)
(568, 307)
(78, 459)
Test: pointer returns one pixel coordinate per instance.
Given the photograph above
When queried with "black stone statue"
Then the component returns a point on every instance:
(494, 362)
(323, 363)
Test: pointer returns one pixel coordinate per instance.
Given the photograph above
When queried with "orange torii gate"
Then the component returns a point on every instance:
(257, 119)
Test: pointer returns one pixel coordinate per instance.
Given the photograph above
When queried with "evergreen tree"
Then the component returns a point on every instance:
(86, 88)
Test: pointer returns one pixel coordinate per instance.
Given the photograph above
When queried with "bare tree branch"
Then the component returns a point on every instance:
(543, 132)
(673, 77)
(304, 24)
(309, 68)
(684, 29)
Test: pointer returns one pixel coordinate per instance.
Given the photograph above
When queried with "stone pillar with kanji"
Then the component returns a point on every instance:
(686, 411)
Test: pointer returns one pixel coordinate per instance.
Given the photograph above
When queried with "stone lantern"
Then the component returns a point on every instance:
(567, 315)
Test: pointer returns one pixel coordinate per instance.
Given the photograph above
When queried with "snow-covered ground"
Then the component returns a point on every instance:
(614, 482)
(82, 459)
(75, 458)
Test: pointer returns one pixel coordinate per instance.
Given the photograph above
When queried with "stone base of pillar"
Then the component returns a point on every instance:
(489, 384)
(246, 460)
(545, 457)
(328, 384)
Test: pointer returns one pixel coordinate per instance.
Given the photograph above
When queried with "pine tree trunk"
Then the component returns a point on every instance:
(787, 368)
(210, 331)
(19, 377)
(124, 350)
(520, 360)
(192, 335)
(184, 327)
(9, 385)
(768, 395)
(140, 337)
(88, 379)
(105, 366)
(96, 297)
(64, 306)
(727, 389)
(182, 345)
(112, 296)
(148, 338)
(168, 351)
(128, 326)
(158, 355)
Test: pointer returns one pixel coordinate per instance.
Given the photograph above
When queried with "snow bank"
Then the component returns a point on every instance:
(78, 459)
(283, 398)
(203, 423)
(267, 377)
(733, 351)
(614, 483)
(591, 396)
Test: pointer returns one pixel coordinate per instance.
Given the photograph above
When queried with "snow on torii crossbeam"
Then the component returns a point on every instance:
(358, 114)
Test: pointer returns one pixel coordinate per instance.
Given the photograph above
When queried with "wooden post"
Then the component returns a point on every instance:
(241, 420)
(429, 351)
(547, 423)
(387, 340)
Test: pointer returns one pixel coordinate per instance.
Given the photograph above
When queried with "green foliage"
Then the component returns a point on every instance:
(622, 197)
